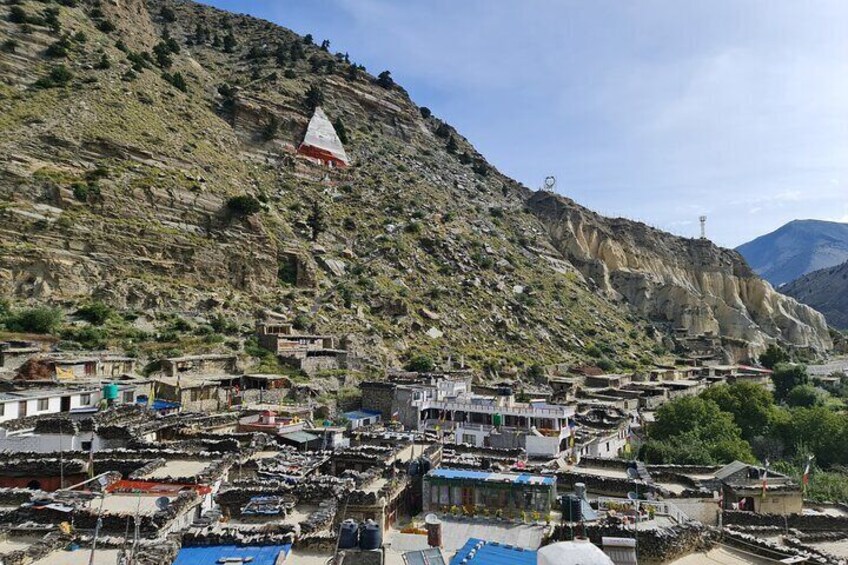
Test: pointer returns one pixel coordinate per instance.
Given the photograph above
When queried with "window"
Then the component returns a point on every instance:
(2, 410)
(85, 399)
(86, 445)
(43, 404)
(607, 446)
(128, 397)
(444, 494)
(469, 438)
(195, 395)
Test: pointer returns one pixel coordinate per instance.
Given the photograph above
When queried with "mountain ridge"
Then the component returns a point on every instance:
(797, 248)
(122, 184)
(826, 290)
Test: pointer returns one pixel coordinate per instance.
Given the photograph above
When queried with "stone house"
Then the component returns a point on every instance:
(743, 487)
(209, 364)
(305, 352)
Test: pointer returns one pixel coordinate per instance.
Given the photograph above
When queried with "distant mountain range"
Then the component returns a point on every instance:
(826, 290)
(797, 248)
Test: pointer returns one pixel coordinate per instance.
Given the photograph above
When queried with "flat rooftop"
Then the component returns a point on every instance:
(61, 557)
(178, 468)
(456, 532)
(127, 504)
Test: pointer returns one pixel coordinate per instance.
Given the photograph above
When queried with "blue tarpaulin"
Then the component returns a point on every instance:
(522, 479)
(479, 552)
(209, 555)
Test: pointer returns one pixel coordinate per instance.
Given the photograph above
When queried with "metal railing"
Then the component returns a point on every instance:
(526, 410)
(664, 508)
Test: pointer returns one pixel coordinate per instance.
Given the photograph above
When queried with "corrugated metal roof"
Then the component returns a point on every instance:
(361, 414)
(300, 437)
(322, 135)
(522, 479)
(479, 552)
(209, 555)
(730, 469)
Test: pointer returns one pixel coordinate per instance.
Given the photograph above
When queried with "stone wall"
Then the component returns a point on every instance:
(378, 396)
(655, 546)
(801, 522)
(606, 486)
(40, 549)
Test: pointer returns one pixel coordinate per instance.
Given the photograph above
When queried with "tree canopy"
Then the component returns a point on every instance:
(751, 405)
(787, 376)
(694, 430)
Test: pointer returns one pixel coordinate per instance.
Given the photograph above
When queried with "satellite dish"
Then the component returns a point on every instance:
(163, 502)
(550, 183)
(632, 495)
(632, 473)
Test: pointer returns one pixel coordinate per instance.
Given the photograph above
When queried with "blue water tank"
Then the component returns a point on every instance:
(110, 391)
(370, 535)
(349, 534)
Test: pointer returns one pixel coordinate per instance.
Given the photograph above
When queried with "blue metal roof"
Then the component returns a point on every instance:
(522, 479)
(209, 555)
(492, 553)
(361, 414)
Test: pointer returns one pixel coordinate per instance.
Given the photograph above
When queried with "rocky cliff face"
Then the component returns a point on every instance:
(117, 179)
(693, 286)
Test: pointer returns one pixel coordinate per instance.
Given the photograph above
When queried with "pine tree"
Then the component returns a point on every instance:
(316, 221)
(230, 42)
(452, 147)
(314, 97)
(385, 80)
(340, 130)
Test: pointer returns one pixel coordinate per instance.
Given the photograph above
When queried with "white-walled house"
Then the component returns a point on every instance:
(36, 402)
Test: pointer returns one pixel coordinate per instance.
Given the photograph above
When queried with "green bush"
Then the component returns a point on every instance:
(39, 320)
(95, 312)
(106, 26)
(57, 77)
(301, 322)
(244, 205)
(88, 337)
(805, 396)
(421, 364)
(168, 14)
(176, 80)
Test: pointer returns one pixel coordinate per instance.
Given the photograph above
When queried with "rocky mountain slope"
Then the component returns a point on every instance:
(826, 290)
(697, 287)
(148, 160)
(797, 248)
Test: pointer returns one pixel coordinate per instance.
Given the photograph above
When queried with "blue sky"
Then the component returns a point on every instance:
(656, 110)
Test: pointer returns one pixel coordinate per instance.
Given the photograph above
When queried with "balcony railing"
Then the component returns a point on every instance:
(526, 410)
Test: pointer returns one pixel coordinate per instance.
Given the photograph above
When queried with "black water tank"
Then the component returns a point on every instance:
(370, 535)
(414, 468)
(571, 510)
(349, 534)
(426, 464)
